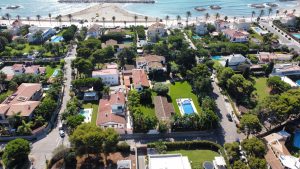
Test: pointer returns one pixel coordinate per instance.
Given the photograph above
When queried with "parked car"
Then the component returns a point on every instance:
(229, 117)
(61, 133)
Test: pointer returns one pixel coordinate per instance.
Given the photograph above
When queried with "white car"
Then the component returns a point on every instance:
(61, 133)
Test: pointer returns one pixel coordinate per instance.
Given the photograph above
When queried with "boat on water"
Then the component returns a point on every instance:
(215, 7)
(272, 5)
(13, 7)
(199, 8)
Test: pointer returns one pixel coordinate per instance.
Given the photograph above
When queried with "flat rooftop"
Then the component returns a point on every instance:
(169, 161)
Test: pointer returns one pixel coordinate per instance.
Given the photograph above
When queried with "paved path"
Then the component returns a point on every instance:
(43, 148)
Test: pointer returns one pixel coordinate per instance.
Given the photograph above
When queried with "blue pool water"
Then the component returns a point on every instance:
(196, 37)
(86, 114)
(187, 107)
(216, 57)
(57, 39)
(55, 73)
(297, 35)
(298, 82)
(297, 139)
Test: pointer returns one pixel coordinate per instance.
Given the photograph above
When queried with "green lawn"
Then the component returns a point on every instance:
(261, 87)
(147, 110)
(4, 95)
(197, 157)
(182, 90)
(94, 105)
(257, 36)
(50, 70)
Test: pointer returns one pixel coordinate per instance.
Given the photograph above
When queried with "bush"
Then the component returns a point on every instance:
(123, 147)
(161, 89)
(58, 154)
(20, 47)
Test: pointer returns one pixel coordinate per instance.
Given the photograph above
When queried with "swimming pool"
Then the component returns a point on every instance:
(216, 57)
(196, 37)
(296, 35)
(259, 31)
(57, 39)
(298, 82)
(186, 106)
(55, 73)
(297, 139)
(87, 114)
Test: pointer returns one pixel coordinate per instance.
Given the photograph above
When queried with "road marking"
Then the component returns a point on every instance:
(58, 143)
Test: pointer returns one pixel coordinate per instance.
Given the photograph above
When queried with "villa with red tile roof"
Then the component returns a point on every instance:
(111, 112)
(151, 62)
(23, 101)
(163, 109)
(222, 25)
(18, 69)
(236, 35)
(156, 30)
(139, 79)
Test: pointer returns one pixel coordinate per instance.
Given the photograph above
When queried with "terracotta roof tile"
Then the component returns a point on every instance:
(139, 77)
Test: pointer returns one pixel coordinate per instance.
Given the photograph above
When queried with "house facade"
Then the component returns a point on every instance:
(45, 34)
(151, 62)
(236, 35)
(242, 24)
(201, 28)
(111, 112)
(156, 30)
(109, 77)
(139, 79)
(94, 31)
(222, 25)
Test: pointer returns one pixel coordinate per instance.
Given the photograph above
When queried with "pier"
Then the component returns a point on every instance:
(107, 1)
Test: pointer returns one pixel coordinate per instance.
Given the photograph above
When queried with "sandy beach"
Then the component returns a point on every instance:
(108, 11)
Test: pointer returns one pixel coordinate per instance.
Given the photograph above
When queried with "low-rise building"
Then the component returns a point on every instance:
(22, 102)
(222, 25)
(111, 112)
(201, 28)
(241, 24)
(15, 27)
(235, 60)
(286, 69)
(172, 161)
(90, 96)
(219, 163)
(115, 44)
(236, 35)
(156, 30)
(163, 109)
(124, 164)
(139, 79)
(151, 62)
(18, 69)
(39, 34)
(109, 77)
(266, 57)
(95, 31)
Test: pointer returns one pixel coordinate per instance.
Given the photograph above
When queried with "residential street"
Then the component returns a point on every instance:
(43, 148)
(282, 39)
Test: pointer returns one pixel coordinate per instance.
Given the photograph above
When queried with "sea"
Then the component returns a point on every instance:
(161, 8)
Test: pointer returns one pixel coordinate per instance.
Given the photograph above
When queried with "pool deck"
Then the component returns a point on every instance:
(179, 102)
(88, 118)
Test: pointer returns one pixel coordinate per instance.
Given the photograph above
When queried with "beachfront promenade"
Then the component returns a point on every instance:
(106, 1)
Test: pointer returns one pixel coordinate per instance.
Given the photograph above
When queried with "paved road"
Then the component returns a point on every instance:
(43, 148)
(228, 129)
(282, 39)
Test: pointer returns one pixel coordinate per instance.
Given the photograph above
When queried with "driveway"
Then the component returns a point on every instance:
(43, 148)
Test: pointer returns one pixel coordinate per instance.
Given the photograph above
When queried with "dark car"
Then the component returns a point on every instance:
(229, 117)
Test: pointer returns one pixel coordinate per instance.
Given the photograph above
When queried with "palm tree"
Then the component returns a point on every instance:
(285, 12)
(146, 19)
(178, 18)
(49, 15)
(294, 10)
(217, 16)
(103, 21)
(81, 22)
(277, 12)
(207, 16)
(188, 15)
(18, 17)
(114, 19)
(167, 18)
(135, 18)
(262, 12)
(270, 10)
(38, 17)
(70, 17)
(226, 18)
(58, 18)
(24, 129)
(106, 91)
(7, 15)
(28, 19)
(252, 15)
(125, 23)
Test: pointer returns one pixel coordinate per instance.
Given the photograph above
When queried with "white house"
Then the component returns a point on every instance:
(111, 112)
(235, 60)
(201, 28)
(168, 161)
(95, 31)
(156, 30)
(285, 69)
(242, 24)
(222, 25)
(236, 35)
(219, 163)
(109, 77)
